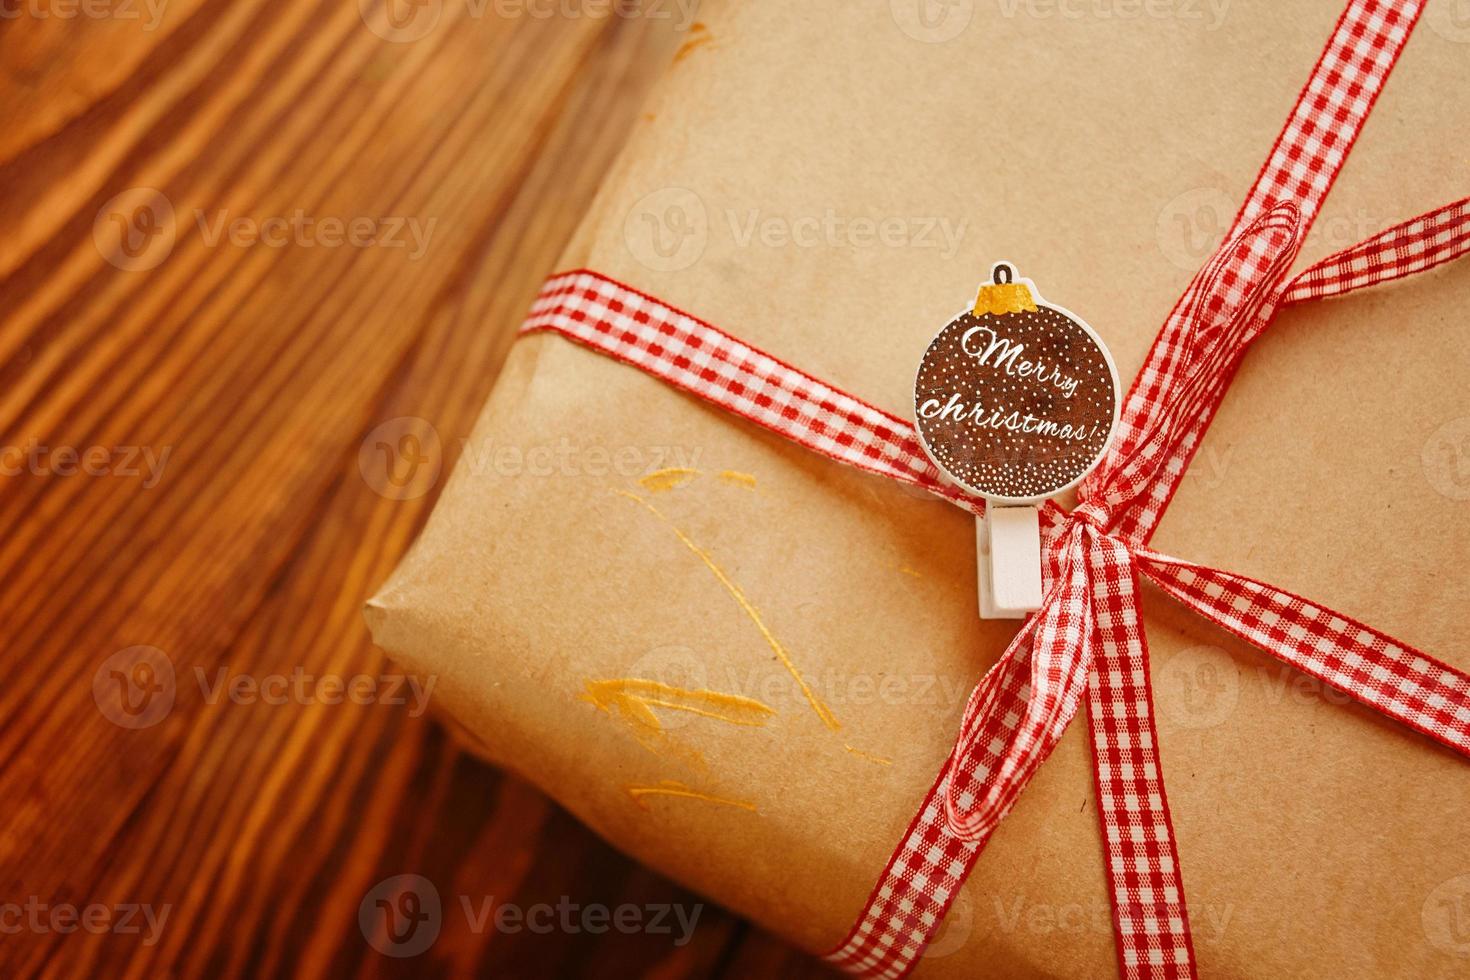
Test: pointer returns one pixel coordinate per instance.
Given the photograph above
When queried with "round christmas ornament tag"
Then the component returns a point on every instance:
(1016, 399)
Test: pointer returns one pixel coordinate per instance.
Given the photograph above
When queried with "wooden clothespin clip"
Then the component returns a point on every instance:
(1015, 400)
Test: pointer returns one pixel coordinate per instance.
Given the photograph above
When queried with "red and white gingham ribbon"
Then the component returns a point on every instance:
(1088, 638)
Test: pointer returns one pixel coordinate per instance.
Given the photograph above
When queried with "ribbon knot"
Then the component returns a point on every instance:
(1093, 513)
(1022, 706)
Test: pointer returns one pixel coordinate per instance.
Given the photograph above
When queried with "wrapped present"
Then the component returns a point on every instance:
(695, 577)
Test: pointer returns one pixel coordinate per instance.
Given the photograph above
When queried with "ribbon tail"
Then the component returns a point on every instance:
(1409, 247)
(1407, 684)
(1150, 920)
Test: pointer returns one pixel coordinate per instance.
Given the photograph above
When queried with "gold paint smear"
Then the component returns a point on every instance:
(869, 756)
(823, 712)
(634, 698)
(745, 480)
(662, 481)
(669, 787)
(691, 45)
(910, 571)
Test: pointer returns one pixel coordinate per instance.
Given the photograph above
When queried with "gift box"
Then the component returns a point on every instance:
(745, 664)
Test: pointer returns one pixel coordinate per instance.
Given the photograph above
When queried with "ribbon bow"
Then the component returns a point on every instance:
(1022, 706)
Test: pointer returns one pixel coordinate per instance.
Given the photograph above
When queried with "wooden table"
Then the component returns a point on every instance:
(241, 235)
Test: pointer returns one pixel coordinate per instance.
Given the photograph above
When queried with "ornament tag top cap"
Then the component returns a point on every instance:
(1016, 399)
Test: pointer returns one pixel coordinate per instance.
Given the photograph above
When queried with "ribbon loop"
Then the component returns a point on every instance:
(1022, 706)
(1229, 302)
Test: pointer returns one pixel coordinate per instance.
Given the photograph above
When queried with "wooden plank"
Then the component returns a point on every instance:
(250, 375)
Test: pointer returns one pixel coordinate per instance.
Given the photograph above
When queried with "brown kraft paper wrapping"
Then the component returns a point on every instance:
(829, 181)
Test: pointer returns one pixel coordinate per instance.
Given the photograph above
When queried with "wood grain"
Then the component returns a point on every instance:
(252, 374)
